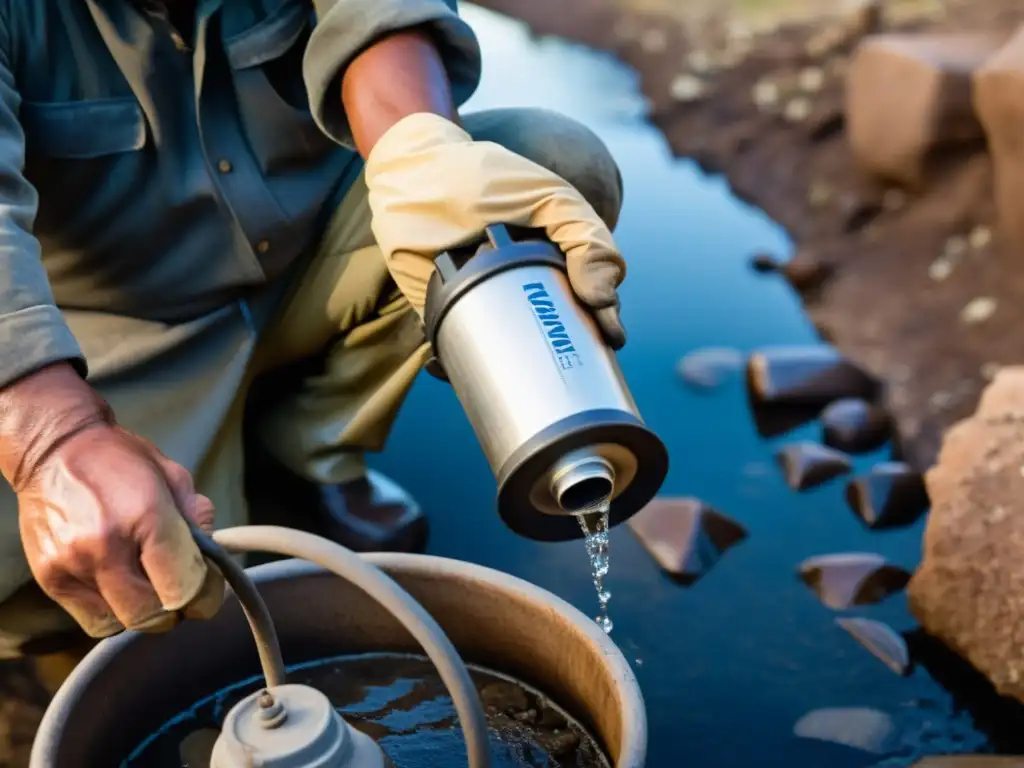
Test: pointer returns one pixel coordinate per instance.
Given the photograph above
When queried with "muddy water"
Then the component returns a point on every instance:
(730, 665)
(401, 702)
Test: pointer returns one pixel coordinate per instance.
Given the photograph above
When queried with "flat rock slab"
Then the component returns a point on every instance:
(969, 589)
(909, 94)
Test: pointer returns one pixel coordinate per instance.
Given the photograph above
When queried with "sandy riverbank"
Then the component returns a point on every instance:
(764, 109)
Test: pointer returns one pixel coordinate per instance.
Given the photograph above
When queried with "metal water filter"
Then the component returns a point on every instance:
(542, 390)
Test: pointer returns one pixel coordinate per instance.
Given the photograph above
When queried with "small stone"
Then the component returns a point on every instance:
(687, 87)
(807, 375)
(842, 581)
(860, 728)
(881, 640)
(685, 536)
(765, 94)
(700, 62)
(764, 263)
(709, 368)
(811, 79)
(979, 237)
(818, 194)
(908, 95)
(854, 425)
(890, 495)
(940, 269)
(654, 40)
(978, 310)
(797, 110)
(894, 200)
(807, 465)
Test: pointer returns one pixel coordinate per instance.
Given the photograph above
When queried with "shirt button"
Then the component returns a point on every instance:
(263, 246)
(224, 166)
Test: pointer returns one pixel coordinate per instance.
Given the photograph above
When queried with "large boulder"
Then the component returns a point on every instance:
(909, 96)
(969, 590)
(999, 104)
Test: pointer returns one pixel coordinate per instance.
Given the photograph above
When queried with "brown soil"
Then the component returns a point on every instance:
(880, 306)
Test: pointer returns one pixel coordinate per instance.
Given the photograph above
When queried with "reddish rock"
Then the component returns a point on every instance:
(999, 103)
(969, 589)
(910, 95)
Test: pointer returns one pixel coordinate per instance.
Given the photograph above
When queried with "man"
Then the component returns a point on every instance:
(197, 194)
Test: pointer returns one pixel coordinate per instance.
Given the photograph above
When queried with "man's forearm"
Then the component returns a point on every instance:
(39, 411)
(398, 76)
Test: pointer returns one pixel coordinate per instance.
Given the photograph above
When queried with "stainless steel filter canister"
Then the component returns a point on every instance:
(543, 392)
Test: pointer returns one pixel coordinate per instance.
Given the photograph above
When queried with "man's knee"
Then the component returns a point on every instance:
(561, 145)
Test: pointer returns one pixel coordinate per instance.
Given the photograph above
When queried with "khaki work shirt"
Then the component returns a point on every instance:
(151, 178)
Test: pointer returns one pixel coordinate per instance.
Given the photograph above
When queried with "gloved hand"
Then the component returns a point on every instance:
(433, 188)
(100, 512)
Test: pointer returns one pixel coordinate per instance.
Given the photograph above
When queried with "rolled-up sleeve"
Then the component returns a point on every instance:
(347, 27)
(33, 333)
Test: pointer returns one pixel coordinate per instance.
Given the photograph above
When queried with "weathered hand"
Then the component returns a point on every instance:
(102, 527)
(432, 188)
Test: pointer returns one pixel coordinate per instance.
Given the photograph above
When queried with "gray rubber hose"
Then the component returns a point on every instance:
(382, 588)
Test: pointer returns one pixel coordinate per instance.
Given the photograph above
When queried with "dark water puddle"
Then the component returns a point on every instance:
(730, 665)
(400, 701)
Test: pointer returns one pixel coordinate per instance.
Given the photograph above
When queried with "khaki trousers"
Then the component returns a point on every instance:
(346, 312)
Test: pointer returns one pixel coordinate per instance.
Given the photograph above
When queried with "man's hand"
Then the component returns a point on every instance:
(432, 187)
(100, 511)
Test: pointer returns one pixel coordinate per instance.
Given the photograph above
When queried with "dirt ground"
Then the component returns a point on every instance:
(762, 104)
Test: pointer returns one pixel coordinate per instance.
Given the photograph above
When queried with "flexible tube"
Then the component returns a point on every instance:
(382, 588)
(255, 609)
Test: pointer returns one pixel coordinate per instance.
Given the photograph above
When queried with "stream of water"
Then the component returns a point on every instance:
(729, 665)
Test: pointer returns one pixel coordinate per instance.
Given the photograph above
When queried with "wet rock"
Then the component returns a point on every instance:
(910, 95)
(685, 536)
(891, 495)
(709, 368)
(858, 727)
(969, 588)
(881, 640)
(806, 272)
(854, 425)
(807, 465)
(775, 420)
(844, 580)
(807, 375)
(997, 88)
(764, 263)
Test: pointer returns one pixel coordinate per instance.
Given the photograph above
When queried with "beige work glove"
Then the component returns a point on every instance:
(433, 188)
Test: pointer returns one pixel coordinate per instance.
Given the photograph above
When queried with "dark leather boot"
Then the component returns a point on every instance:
(372, 514)
(369, 514)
